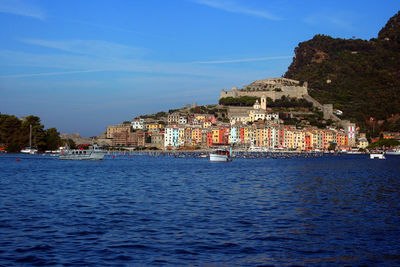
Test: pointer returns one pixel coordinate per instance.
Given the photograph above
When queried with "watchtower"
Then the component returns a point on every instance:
(263, 102)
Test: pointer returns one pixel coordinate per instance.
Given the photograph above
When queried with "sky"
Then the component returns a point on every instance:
(84, 65)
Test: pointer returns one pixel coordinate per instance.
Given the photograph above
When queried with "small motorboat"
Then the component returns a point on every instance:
(221, 155)
(29, 150)
(377, 155)
(392, 152)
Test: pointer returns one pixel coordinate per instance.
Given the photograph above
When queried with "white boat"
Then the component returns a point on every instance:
(377, 155)
(354, 152)
(393, 152)
(256, 149)
(221, 155)
(29, 150)
(92, 153)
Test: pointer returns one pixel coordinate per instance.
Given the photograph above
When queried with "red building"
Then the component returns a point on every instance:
(308, 142)
(281, 138)
(209, 138)
(223, 136)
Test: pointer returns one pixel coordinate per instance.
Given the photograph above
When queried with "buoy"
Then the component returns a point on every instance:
(113, 157)
(16, 159)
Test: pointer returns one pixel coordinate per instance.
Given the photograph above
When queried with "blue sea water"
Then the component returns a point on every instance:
(151, 211)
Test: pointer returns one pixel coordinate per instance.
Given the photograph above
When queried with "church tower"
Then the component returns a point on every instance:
(264, 102)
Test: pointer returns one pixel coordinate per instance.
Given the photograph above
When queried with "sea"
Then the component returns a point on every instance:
(165, 211)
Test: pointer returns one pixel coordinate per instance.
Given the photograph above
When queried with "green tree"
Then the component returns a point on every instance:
(14, 133)
(385, 143)
(68, 142)
(10, 133)
(53, 140)
(245, 101)
(363, 75)
(38, 135)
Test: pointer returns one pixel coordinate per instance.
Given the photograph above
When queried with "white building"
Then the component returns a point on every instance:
(171, 136)
(272, 116)
(182, 120)
(271, 137)
(234, 135)
(256, 114)
(137, 124)
(239, 118)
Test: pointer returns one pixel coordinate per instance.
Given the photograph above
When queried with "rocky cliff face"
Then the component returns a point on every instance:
(361, 77)
(391, 31)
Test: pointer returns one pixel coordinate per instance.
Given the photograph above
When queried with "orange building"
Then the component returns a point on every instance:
(307, 140)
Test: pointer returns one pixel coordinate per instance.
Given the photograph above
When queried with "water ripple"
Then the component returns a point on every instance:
(168, 211)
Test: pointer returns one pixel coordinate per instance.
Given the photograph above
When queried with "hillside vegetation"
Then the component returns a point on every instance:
(360, 77)
(14, 134)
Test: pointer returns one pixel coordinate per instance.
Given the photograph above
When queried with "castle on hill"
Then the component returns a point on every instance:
(273, 88)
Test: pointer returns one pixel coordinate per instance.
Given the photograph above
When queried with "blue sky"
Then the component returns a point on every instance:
(83, 65)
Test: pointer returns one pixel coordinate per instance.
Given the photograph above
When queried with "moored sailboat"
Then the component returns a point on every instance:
(29, 150)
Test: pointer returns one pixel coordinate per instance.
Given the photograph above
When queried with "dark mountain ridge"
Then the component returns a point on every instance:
(360, 77)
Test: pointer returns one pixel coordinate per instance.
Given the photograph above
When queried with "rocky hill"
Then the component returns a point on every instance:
(361, 77)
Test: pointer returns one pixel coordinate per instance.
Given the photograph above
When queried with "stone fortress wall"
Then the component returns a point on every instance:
(273, 88)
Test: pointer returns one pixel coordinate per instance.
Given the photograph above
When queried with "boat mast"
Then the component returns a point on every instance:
(30, 135)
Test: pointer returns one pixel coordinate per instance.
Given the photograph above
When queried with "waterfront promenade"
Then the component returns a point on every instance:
(204, 153)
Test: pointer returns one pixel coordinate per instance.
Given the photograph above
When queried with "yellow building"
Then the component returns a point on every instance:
(289, 139)
(246, 135)
(251, 134)
(299, 140)
(196, 135)
(341, 138)
(256, 114)
(259, 137)
(200, 117)
(215, 135)
(330, 136)
(181, 135)
(318, 142)
(207, 124)
(153, 126)
(362, 142)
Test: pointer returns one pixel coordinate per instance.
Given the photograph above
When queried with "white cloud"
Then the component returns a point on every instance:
(241, 60)
(120, 29)
(75, 64)
(90, 47)
(69, 64)
(47, 73)
(92, 56)
(19, 7)
(237, 7)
